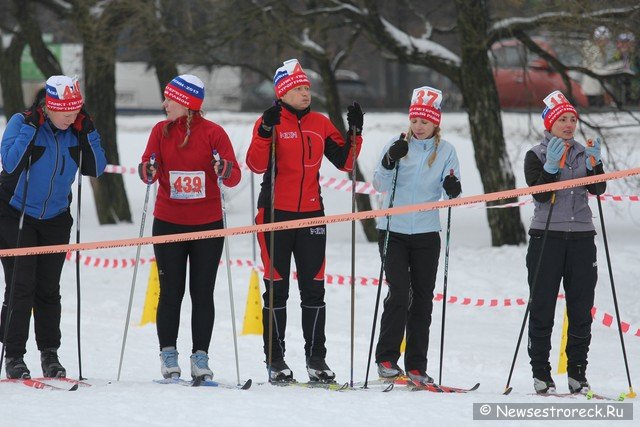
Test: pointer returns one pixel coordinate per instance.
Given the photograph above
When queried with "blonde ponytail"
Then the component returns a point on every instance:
(432, 157)
(188, 125)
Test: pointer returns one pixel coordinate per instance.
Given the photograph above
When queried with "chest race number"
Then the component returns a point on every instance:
(187, 184)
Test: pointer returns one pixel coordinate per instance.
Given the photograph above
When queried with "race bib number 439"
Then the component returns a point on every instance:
(187, 185)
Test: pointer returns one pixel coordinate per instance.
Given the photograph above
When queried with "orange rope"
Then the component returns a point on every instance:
(329, 219)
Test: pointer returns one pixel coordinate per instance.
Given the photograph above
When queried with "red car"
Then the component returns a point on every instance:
(523, 79)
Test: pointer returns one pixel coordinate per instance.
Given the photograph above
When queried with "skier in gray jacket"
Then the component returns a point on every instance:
(569, 253)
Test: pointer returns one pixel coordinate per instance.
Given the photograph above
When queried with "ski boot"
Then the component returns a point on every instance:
(389, 370)
(200, 366)
(319, 371)
(419, 377)
(169, 363)
(577, 380)
(279, 372)
(16, 368)
(51, 367)
(542, 382)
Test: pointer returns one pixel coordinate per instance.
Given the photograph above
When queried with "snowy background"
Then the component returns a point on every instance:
(480, 339)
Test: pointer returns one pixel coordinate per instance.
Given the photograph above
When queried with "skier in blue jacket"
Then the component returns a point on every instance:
(41, 150)
(427, 169)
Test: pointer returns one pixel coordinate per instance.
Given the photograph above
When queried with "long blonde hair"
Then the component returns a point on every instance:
(190, 114)
(436, 134)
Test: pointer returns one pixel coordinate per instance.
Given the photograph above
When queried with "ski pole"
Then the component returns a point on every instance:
(227, 259)
(15, 259)
(381, 277)
(353, 247)
(271, 249)
(152, 161)
(507, 388)
(78, 299)
(631, 393)
(444, 288)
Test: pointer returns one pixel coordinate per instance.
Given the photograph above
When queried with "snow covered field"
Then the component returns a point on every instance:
(480, 338)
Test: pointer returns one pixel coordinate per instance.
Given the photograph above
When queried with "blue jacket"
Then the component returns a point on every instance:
(54, 162)
(416, 183)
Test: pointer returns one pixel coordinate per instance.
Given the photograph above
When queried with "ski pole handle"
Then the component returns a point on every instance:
(152, 162)
(593, 159)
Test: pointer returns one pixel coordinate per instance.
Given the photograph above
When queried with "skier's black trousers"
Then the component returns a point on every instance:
(307, 245)
(37, 284)
(572, 260)
(203, 257)
(411, 267)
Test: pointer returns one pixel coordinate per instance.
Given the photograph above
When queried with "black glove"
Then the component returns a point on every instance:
(33, 116)
(398, 150)
(83, 122)
(147, 172)
(452, 186)
(271, 116)
(222, 168)
(355, 117)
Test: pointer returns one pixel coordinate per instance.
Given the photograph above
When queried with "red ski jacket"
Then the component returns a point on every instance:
(301, 139)
(188, 192)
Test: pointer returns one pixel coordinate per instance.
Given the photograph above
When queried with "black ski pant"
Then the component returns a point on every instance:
(307, 245)
(37, 280)
(203, 257)
(411, 267)
(572, 261)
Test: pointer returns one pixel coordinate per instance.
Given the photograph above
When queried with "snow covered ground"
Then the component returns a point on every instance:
(480, 339)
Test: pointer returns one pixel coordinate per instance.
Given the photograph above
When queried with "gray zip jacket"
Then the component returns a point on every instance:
(571, 212)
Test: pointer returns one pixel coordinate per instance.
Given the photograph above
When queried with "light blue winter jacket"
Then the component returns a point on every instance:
(416, 183)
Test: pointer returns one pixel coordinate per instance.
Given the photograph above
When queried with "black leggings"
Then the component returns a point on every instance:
(203, 256)
(411, 268)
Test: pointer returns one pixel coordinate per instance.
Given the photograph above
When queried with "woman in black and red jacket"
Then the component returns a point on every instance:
(188, 200)
(301, 138)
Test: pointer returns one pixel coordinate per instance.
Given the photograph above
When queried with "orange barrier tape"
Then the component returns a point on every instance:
(329, 219)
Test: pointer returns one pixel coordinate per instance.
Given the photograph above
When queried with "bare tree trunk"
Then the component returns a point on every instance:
(481, 100)
(45, 60)
(363, 202)
(159, 42)
(99, 67)
(99, 56)
(10, 77)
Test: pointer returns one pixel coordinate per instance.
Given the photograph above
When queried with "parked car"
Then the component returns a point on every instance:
(350, 88)
(524, 79)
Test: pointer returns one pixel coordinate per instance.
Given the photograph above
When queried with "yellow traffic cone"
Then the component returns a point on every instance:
(153, 295)
(562, 361)
(252, 324)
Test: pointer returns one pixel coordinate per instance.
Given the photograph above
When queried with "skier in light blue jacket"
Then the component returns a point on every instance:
(427, 170)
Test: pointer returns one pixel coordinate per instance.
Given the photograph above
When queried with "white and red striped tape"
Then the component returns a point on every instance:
(606, 319)
(333, 183)
(363, 187)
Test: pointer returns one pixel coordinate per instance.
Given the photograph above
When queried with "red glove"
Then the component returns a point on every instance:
(223, 168)
(147, 172)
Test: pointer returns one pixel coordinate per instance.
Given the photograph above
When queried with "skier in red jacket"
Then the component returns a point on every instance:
(188, 201)
(301, 137)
